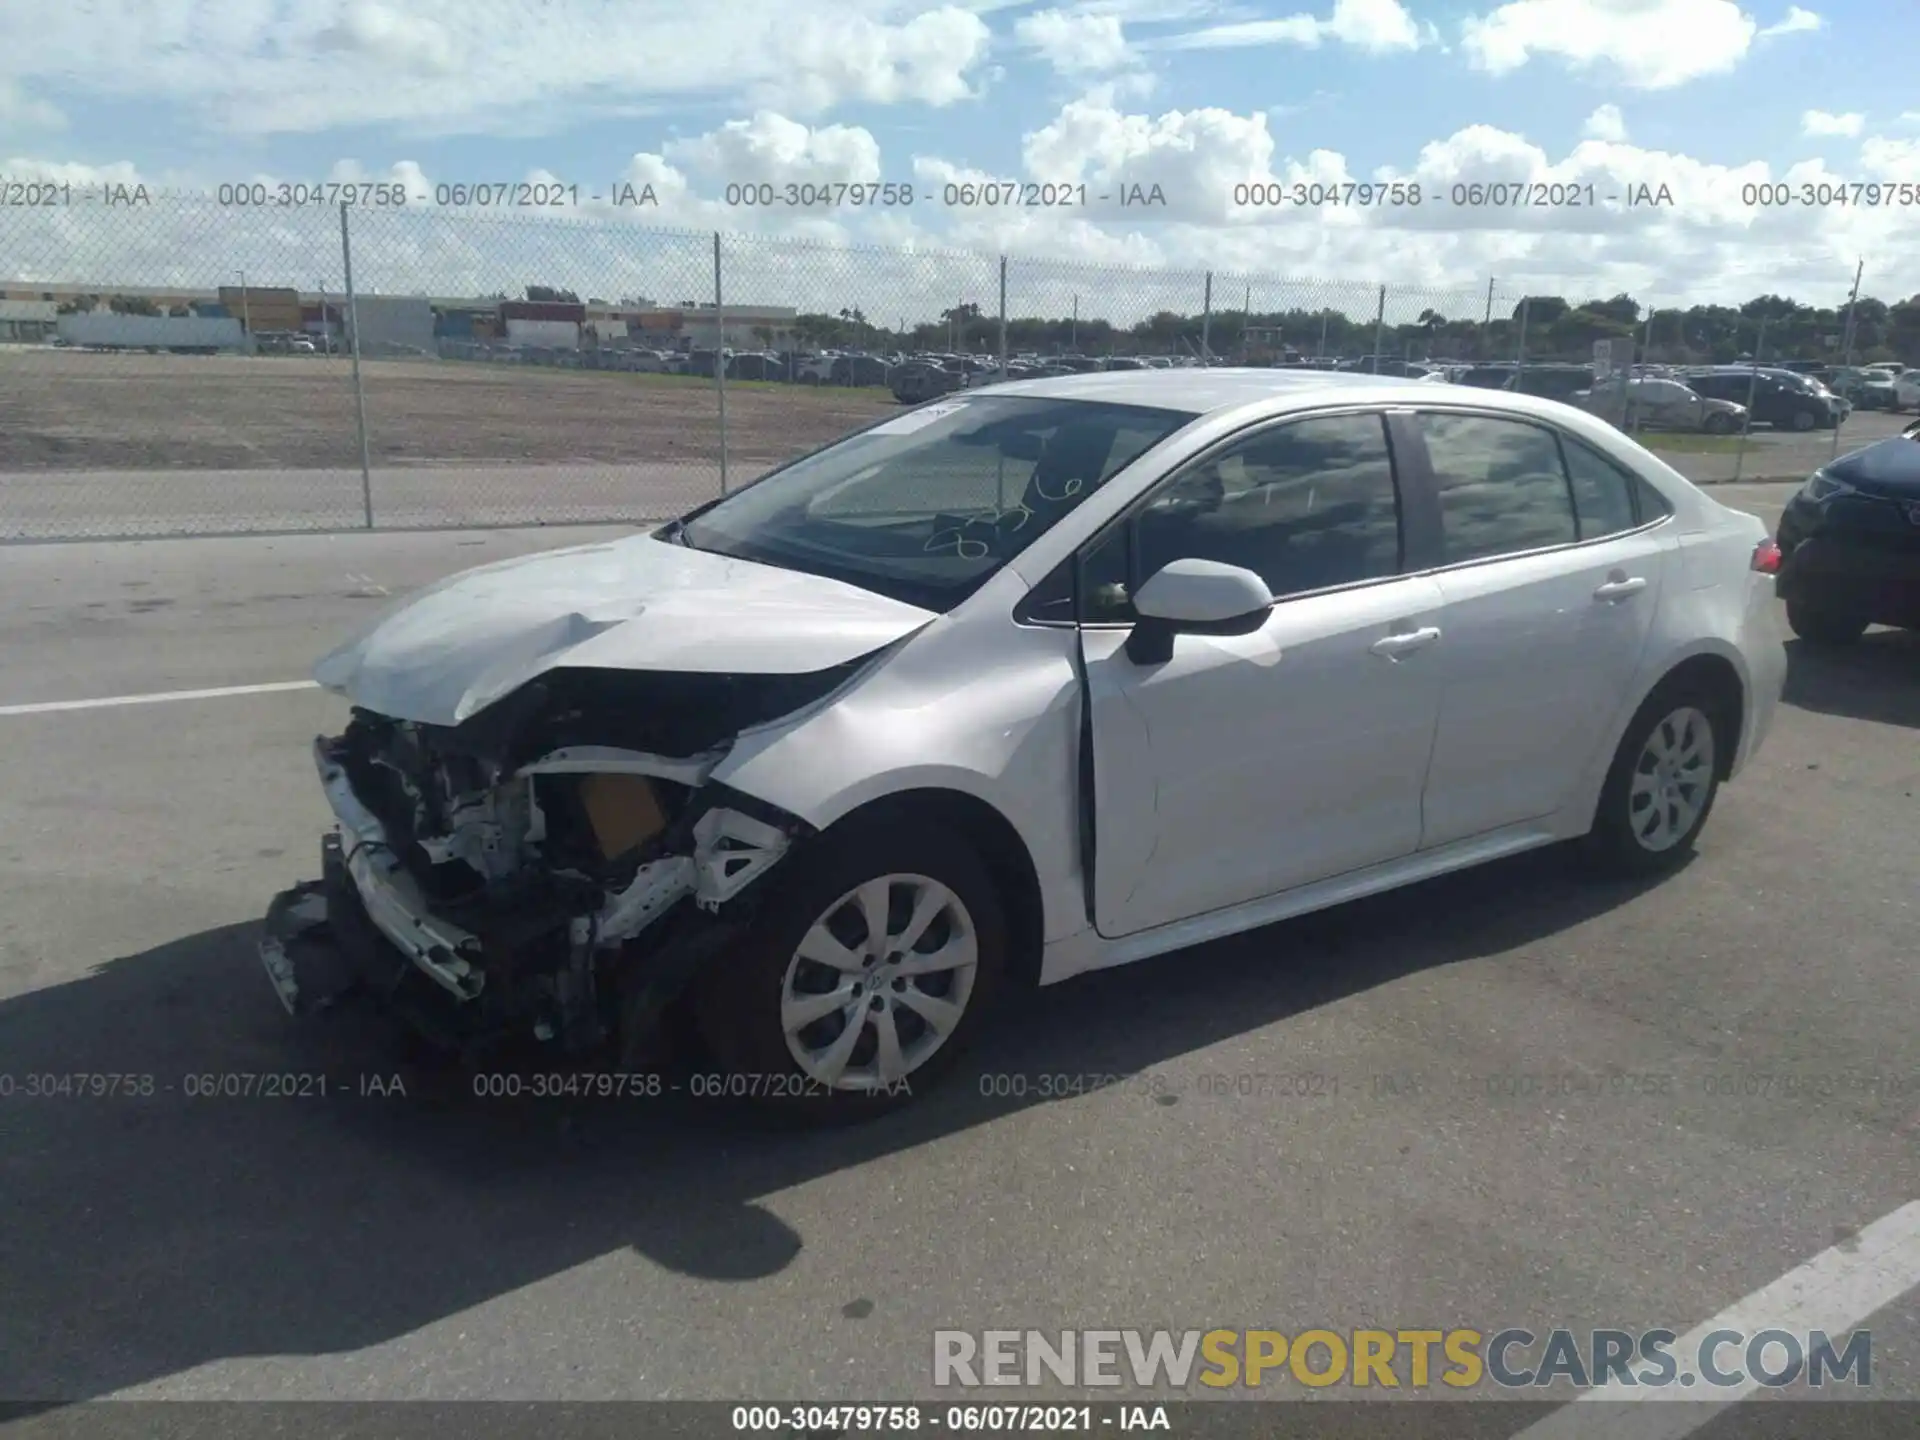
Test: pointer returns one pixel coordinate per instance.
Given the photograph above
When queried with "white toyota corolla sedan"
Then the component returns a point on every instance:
(1042, 678)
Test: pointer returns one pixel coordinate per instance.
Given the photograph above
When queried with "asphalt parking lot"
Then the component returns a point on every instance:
(1512, 1097)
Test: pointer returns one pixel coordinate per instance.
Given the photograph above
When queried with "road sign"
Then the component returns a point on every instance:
(1607, 354)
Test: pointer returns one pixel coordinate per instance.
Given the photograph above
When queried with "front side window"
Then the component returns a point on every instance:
(1307, 505)
(1501, 487)
(929, 505)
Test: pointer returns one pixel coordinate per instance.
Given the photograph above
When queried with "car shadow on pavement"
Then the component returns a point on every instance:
(151, 1233)
(1875, 679)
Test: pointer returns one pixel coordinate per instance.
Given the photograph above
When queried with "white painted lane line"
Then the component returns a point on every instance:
(1834, 1291)
(165, 697)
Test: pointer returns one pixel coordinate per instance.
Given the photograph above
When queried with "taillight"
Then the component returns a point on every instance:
(1766, 557)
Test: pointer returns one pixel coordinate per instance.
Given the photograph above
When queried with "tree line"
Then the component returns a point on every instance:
(1549, 327)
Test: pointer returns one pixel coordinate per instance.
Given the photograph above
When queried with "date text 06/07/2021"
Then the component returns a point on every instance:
(1009, 1419)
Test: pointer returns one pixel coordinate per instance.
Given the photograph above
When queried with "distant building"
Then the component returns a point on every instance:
(262, 308)
(543, 334)
(28, 322)
(393, 324)
(739, 327)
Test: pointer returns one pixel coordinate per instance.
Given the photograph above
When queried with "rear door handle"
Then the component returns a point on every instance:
(1405, 642)
(1620, 589)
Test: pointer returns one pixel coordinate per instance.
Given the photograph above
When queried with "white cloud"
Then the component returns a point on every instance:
(21, 111)
(1888, 159)
(1076, 44)
(836, 59)
(1795, 22)
(771, 148)
(491, 66)
(1711, 243)
(1374, 26)
(1606, 123)
(1820, 122)
(1650, 44)
(383, 35)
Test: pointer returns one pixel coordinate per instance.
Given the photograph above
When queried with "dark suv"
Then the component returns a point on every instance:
(1850, 544)
(1780, 397)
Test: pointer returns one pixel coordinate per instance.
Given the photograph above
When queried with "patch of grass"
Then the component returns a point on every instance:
(1687, 444)
(1690, 444)
(785, 387)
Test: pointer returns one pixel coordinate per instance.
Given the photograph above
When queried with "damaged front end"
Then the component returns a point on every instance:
(558, 866)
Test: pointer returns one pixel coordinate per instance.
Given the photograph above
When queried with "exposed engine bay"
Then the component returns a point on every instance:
(535, 861)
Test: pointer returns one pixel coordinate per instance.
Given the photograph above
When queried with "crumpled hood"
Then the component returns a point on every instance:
(447, 652)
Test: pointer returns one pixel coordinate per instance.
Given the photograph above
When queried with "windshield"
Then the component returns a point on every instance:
(928, 505)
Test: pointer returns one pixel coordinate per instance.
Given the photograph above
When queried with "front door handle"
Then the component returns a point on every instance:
(1620, 589)
(1405, 642)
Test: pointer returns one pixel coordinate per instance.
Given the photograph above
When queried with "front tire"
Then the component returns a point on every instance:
(1804, 420)
(1662, 784)
(1823, 627)
(1719, 425)
(864, 979)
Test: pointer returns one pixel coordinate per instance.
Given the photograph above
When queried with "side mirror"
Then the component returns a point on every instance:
(1201, 596)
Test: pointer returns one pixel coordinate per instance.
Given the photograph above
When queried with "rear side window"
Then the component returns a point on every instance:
(1602, 492)
(1649, 503)
(1501, 487)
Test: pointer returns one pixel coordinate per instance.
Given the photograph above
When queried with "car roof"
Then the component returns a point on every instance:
(1207, 392)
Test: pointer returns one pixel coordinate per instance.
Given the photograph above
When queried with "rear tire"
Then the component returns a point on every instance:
(1662, 783)
(815, 939)
(1823, 627)
(1804, 420)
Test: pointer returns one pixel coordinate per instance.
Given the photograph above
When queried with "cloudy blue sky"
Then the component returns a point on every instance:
(1702, 97)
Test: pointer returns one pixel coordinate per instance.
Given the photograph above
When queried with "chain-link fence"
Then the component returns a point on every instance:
(187, 366)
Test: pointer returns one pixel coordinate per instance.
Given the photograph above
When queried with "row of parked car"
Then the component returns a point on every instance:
(1713, 399)
(1883, 386)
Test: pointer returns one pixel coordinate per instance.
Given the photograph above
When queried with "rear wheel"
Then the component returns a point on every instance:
(864, 979)
(1804, 420)
(1818, 626)
(1719, 424)
(1661, 786)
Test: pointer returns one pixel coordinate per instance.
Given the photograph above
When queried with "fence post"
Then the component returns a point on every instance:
(1520, 354)
(720, 357)
(1849, 333)
(1003, 317)
(1489, 319)
(1646, 358)
(1379, 328)
(359, 392)
(1206, 323)
(1753, 384)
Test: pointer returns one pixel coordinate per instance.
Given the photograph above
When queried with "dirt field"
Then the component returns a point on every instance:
(61, 410)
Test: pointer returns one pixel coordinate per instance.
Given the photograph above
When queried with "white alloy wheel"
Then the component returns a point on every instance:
(879, 982)
(1672, 780)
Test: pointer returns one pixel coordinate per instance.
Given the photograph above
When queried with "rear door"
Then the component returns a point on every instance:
(1550, 578)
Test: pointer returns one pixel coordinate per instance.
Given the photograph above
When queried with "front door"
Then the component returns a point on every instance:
(1250, 764)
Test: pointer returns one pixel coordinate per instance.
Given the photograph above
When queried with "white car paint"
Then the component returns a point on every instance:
(449, 651)
(1359, 739)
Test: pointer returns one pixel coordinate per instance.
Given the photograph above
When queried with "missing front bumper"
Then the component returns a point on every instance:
(365, 929)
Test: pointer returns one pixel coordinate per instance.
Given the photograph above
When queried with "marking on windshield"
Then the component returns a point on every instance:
(918, 419)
